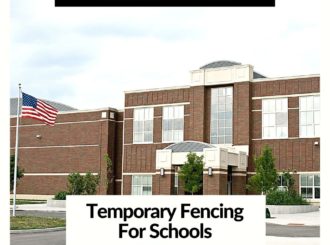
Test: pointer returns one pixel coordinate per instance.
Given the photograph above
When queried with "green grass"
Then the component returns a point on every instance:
(27, 201)
(33, 222)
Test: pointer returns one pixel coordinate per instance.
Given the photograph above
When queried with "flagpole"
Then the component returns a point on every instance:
(16, 148)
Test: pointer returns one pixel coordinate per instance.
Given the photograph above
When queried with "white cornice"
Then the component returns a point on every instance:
(156, 89)
(284, 78)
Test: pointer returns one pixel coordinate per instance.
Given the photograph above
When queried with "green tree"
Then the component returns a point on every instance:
(265, 179)
(191, 173)
(288, 180)
(76, 184)
(110, 177)
(20, 172)
(91, 183)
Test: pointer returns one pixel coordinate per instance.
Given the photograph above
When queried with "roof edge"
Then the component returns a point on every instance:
(283, 78)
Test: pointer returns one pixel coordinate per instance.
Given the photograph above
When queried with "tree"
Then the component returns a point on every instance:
(288, 180)
(110, 177)
(265, 179)
(20, 172)
(191, 173)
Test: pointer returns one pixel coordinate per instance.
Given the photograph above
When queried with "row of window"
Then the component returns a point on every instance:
(274, 119)
(309, 185)
(173, 119)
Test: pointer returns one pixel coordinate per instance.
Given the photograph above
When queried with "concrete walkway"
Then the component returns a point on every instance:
(310, 219)
(37, 207)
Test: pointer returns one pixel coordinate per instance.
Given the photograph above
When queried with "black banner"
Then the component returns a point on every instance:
(167, 3)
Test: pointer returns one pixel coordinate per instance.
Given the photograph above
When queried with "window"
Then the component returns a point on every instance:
(275, 118)
(221, 115)
(310, 186)
(309, 116)
(281, 185)
(143, 125)
(141, 184)
(173, 117)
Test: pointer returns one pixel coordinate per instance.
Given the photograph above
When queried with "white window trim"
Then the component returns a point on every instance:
(314, 136)
(262, 120)
(141, 186)
(232, 120)
(313, 187)
(144, 142)
(172, 141)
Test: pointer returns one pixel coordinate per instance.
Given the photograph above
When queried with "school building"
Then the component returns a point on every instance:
(228, 113)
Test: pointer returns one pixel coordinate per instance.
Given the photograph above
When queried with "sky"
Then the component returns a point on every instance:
(88, 57)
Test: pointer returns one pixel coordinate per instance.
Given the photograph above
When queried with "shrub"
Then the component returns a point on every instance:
(268, 216)
(82, 185)
(91, 182)
(285, 198)
(76, 184)
(61, 195)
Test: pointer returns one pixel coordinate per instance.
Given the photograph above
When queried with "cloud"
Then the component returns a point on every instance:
(89, 56)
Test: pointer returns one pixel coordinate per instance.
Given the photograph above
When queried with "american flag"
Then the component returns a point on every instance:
(38, 109)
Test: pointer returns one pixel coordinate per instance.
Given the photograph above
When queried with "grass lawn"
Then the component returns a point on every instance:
(33, 222)
(27, 201)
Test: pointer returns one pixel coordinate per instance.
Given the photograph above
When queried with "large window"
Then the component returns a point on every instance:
(143, 125)
(275, 118)
(173, 117)
(309, 116)
(141, 184)
(310, 186)
(221, 115)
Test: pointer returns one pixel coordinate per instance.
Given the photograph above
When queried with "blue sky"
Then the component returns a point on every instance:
(88, 57)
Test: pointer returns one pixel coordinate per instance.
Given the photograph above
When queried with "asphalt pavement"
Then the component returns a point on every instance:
(292, 230)
(45, 238)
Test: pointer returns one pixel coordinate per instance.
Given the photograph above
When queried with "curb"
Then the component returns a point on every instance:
(37, 230)
(39, 210)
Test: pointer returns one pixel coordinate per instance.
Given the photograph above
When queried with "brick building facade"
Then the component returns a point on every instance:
(228, 113)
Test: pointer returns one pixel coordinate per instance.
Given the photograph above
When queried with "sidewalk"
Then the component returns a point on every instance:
(37, 207)
(311, 219)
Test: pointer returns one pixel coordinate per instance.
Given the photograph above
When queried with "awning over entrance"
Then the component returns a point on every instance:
(189, 146)
(215, 156)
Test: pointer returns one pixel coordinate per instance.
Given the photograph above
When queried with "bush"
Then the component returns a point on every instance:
(76, 184)
(82, 185)
(285, 198)
(61, 195)
(267, 214)
(91, 183)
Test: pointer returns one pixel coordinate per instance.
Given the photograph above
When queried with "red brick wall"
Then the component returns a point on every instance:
(215, 184)
(295, 153)
(77, 143)
(238, 185)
